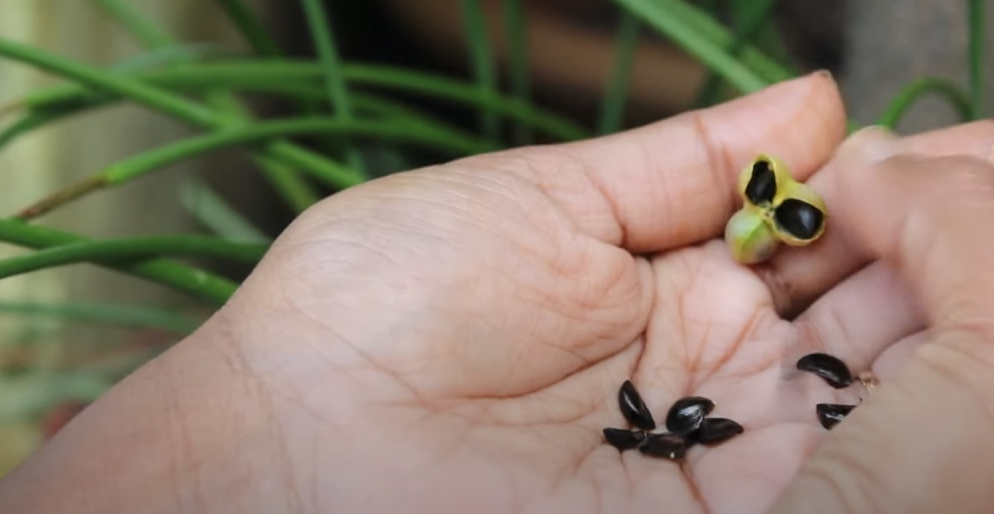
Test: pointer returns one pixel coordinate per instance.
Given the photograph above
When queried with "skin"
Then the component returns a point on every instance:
(453, 339)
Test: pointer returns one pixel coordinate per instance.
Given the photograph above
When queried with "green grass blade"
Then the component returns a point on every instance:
(613, 108)
(670, 18)
(117, 315)
(284, 77)
(977, 45)
(190, 280)
(297, 193)
(149, 33)
(517, 41)
(132, 249)
(250, 26)
(946, 89)
(209, 208)
(394, 130)
(324, 43)
(481, 62)
(322, 168)
(169, 56)
(408, 132)
(754, 15)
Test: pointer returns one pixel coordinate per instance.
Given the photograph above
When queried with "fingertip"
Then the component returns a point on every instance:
(868, 146)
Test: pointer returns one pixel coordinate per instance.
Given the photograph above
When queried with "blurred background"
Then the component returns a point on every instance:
(67, 333)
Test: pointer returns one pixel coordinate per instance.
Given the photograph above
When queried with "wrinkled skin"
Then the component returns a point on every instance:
(453, 339)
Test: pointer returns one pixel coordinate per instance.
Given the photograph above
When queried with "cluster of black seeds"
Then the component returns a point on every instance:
(835, 372)
(797, 217)
(687, 423)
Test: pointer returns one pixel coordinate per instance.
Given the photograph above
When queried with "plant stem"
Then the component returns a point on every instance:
(61, 197)
(150, 34)
(250, 26)
(324, 43)
(131, 249)
(753, 17)
(517, 41)
(914, 91)
(481, 62)
(167, 56)
(326, 170)
(196, 282)
(613, 108)
(671, 19)
(258, 38)
(212, 210)
(118, 315)
(286, 76)
(297, 193)
(977, 34)
(142, 164)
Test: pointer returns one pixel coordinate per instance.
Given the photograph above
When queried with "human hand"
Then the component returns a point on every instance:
(454, 338)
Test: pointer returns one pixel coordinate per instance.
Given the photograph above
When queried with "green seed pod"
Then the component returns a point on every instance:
(750, 237)
(777, 209)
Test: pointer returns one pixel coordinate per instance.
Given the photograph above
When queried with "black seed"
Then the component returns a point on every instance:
(829, 368)
(669, 446)
(623, 439)
(798, 218)
(633, 408)
(830, 414)
(687, 414)
(762, 186)
(716, 430)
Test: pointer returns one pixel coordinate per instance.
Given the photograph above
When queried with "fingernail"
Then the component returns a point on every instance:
(824, 74)
(871, 144)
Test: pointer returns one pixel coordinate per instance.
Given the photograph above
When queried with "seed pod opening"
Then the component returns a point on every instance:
(633, 408)
(762, 184)
(687, 414)
(669, 446)
(749, 238)
(830, 414)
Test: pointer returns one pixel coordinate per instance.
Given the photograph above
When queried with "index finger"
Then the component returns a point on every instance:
(673, 183)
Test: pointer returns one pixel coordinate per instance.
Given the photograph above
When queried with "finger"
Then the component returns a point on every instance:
(893, 358)
(927, 429)
(857, 320)
(673, 183)
(796, 278)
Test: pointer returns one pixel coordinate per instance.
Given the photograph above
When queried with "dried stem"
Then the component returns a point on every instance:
(61, 197)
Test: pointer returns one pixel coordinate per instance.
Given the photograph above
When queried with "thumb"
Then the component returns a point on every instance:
(923, 442)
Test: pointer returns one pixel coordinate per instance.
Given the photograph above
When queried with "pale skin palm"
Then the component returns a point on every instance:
(502, 411)
(453, 340)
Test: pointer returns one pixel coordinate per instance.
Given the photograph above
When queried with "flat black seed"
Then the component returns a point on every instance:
(762, 186)
(633, 408)
(623, 439)
(800, 219)
(669, 446)
(830, 414)
(716, 430)
(687, 414)
(829, 368)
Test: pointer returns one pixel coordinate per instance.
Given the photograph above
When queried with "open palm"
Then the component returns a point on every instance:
(453, 339)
